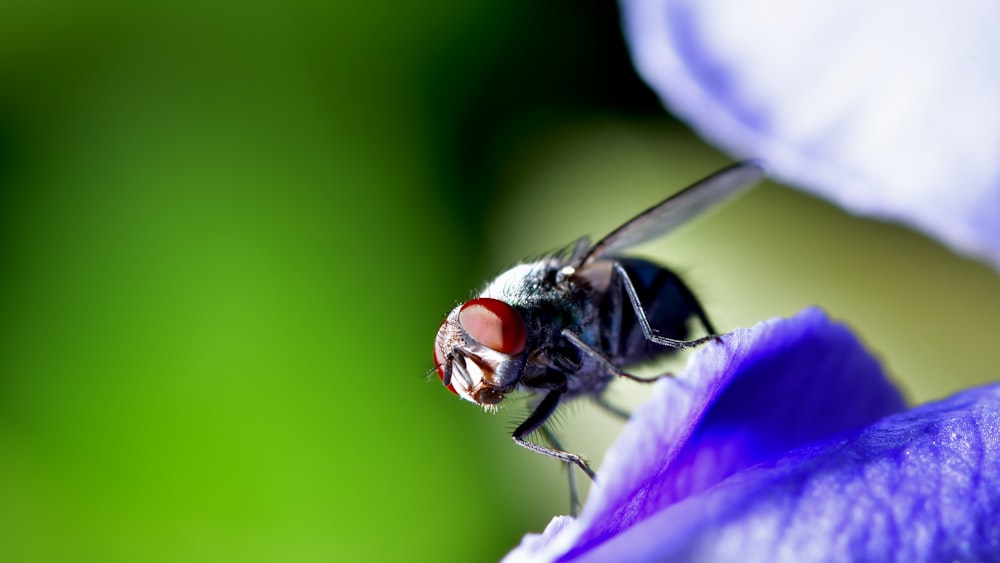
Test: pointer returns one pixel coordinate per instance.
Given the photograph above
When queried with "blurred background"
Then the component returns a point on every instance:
(230, 231)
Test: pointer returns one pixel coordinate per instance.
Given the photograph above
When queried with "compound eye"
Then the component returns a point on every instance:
(439, 359)
(494, 324)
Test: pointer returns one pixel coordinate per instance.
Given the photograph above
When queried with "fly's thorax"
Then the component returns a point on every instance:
(479, 350)
(522, 285)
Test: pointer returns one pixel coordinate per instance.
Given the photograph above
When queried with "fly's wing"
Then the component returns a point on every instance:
(580, 249)
(677, 209)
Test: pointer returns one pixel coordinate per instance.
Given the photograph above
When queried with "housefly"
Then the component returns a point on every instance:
(564, 326)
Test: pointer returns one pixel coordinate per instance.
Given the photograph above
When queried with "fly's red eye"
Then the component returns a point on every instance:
(494, 324)
(439, 361)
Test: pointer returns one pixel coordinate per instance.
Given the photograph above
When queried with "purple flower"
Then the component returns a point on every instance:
(786, 442)
(888, 108)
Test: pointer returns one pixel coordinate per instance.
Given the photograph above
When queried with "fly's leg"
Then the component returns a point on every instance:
(574, 498)
(640, 313)
(600, 358)
(602, 401)
(535, 421)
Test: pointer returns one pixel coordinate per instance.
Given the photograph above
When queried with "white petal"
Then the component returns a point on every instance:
(889, 108)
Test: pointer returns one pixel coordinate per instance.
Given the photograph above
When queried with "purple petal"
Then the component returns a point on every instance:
(747, 399)
(918, 486)
(888, 108)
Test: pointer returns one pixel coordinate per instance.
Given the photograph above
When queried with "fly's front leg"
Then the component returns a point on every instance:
(542, 413)
(574, 498)
(622, 277)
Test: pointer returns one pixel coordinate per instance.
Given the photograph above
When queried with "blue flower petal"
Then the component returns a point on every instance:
(918, 486)
(888, 108)
(747, 399)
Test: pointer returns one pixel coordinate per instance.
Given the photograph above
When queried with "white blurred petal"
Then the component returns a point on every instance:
(890, 108)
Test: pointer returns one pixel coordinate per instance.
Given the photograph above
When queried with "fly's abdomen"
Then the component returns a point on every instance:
(668, 304)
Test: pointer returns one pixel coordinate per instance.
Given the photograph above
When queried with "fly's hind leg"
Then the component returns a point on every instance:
(622, 277)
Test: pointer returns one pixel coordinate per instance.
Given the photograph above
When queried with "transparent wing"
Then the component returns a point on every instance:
(678, 208)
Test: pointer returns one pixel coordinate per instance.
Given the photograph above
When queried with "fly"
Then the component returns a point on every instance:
(565, 326)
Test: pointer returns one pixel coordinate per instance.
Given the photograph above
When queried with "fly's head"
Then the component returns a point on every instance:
(479, 350)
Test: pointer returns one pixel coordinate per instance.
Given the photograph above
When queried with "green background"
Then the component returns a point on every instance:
(230, 230)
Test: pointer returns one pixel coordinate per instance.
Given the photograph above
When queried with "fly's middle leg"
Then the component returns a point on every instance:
(601, 359)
